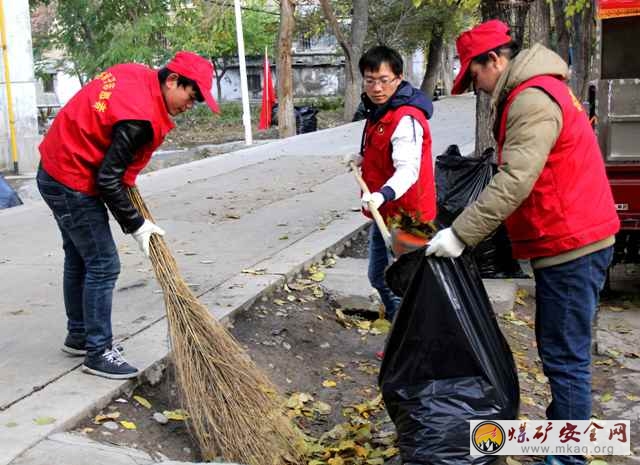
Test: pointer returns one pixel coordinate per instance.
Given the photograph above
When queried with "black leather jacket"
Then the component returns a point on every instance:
(128, 137)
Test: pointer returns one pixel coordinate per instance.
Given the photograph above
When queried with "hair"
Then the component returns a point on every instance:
(164, 73)
(508, 50)
(373, 58)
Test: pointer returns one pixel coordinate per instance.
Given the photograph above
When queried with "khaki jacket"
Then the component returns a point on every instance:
(534, 123)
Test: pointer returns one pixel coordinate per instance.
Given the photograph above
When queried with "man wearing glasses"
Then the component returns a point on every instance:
(395, 156)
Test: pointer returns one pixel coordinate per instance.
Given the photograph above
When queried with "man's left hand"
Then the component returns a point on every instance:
(445, 244)
(377, 198)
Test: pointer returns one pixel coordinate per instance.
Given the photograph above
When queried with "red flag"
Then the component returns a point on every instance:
(268, 96)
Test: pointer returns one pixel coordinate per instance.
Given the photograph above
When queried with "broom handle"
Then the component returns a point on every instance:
(372, 208)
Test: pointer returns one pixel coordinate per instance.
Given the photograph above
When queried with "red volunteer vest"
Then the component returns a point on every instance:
(377, 166)
(571, 204)
(74, 147)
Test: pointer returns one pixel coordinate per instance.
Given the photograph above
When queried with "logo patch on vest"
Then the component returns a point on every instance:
(380, 129)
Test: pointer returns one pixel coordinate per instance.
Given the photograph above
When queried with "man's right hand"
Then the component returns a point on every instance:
(356, 158)
(142, 235)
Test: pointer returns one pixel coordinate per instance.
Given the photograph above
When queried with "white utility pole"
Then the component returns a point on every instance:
(244, 89)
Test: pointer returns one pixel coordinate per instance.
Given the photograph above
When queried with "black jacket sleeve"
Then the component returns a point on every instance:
(128, 137)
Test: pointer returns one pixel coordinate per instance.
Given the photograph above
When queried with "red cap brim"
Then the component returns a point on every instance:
(463, 80)
(211, 102)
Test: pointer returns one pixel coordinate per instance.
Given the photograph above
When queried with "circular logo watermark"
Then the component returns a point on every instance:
(488, 437)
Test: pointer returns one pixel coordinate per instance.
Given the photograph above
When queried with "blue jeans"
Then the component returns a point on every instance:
(91, 263)
(379, 259)
(566, 300)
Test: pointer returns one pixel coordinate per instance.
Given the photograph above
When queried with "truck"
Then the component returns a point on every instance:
(615, 110)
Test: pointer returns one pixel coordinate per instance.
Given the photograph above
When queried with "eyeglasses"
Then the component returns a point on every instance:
(383, 81)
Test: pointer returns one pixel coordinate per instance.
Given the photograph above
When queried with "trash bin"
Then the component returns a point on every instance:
(306, 120)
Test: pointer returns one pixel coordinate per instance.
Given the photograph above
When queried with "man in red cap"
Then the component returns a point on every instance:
(552, 192)
(98, 143)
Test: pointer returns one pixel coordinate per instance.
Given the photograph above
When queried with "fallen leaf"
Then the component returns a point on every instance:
(41, 421)
(279, 301)
(128, 424)
(606, 397)
(87, 430)
(390, 452)
(381, 325)
(320, 317)
(329, 384)
(318, 276)
(541, 378)
(232, 216)
(322, 408)
(257, 271)
(178, 415)
(11, 424)
(317, 292)
(337, 460)
(283, 238)
(142, 401)
(104, 417)
(615, 309)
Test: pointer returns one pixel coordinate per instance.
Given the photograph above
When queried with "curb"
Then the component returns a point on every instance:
(74, 395)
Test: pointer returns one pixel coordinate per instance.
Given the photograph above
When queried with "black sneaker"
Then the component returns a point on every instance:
(74, 345)
(110, 364)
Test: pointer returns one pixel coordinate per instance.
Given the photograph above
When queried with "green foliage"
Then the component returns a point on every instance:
(96, 34)
(322, 103)
(575, 7)
(230, 114)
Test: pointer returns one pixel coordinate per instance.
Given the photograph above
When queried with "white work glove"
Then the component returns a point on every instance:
(352, 157)
(445, 244)
(143, 234)
(377, 198)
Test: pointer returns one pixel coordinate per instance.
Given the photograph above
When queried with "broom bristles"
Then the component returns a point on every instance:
(234, 409)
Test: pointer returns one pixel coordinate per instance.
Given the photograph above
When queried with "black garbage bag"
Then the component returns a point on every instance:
(306, 119)
(459, 181)
(8, 197)
(446, 361)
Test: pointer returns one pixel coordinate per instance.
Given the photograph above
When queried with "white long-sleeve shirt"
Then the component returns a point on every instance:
(406, 141)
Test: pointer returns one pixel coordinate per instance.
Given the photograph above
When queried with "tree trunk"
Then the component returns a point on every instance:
(352, 49)
(583, 30)
(561, 31)
(514, 13)
(539, 23)
(448, 54)
(286, 113)
(434, 60)
(219, 69)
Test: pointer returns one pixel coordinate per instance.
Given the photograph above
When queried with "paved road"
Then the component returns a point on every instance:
(221, 214)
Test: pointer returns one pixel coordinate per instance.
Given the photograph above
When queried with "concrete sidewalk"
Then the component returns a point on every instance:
(277, 206)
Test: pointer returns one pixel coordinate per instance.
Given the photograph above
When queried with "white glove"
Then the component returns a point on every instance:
(143, 234)
(352, 157)
(377, 198)
(445, 244)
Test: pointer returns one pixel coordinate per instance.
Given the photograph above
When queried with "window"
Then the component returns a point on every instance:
(253, 82)
(47, 83)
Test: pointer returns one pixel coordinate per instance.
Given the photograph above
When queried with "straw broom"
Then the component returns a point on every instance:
(234, 410)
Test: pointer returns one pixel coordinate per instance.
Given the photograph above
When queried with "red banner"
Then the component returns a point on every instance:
(618, 8)
(268, 96)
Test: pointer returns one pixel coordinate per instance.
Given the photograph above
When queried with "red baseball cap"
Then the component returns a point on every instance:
(198, 69)
(470, 44)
